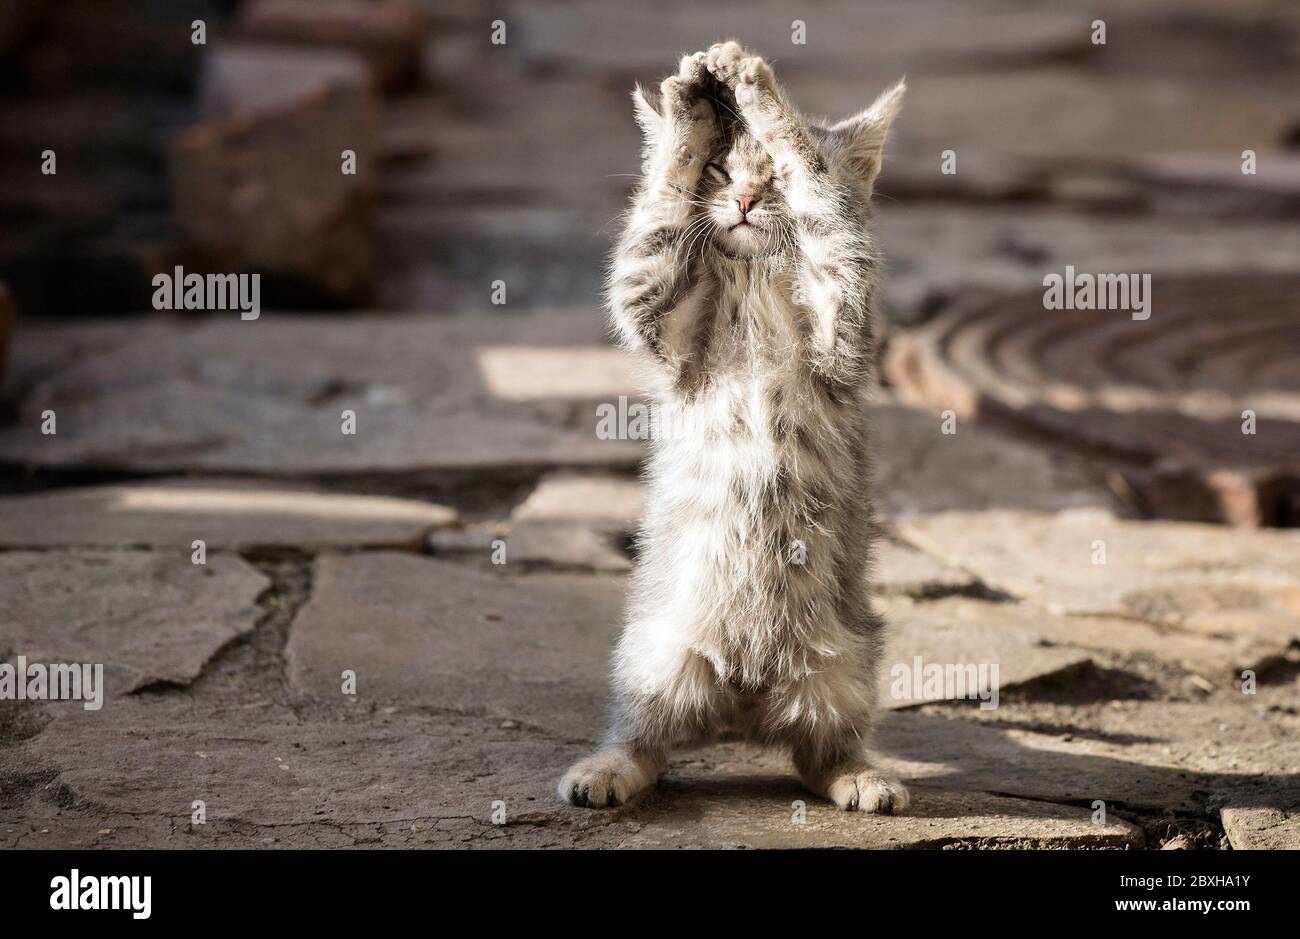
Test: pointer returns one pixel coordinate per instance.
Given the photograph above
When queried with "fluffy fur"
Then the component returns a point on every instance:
(743, 285)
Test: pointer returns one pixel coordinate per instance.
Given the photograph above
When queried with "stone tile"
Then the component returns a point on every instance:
(902, 571)
(1262, 829)
(226, 514)
(147, 617)
(402, 777)
(1162, 400)
(919, 468)
(298, 779)
(938, 254)
(476, 540)
(523, 373)
(1200, 578)
(925, 631)
(325, 775)
(571, 497)
(267, 396)
(445, 635)
(1151, 765)
(702, 810)
(573, 521)
(1214, 657)
(566, 546)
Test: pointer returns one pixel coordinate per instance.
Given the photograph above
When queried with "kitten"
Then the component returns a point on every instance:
(743, 287)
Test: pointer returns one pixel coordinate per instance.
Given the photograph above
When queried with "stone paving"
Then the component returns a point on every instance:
(354, 578)
(476, 683)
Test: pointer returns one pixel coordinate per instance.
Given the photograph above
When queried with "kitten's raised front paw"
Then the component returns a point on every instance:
(747, 75)
(755, 79)
(686, 92)
(694, 73)
(733, 66)
(723, 60)
(605, 780)
(868, 791)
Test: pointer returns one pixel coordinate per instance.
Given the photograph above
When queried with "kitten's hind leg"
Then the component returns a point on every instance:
(851, 783)
(664, 694)
(612, 775)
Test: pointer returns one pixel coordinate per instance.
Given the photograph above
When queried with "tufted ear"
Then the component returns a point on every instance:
(647, 115)
(862, 137)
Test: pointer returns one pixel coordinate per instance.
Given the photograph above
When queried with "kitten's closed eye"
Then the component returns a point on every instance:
(717, 172)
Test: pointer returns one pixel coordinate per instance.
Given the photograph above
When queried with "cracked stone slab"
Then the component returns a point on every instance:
(1145, 760)
(147, 617)
(969, 649)
(565, 546)
(940, 253)
(269, 396)
(1200, 578)
(447, 635)
(226, 514)
(899, 570)
(576, 521)
(403, 777)
(1164, 398)
(544, 545)
(919, 468)
(521, 373)
(1262, 829)
(1216, 657)
(573, 497)
(269, 775)
(710, 810)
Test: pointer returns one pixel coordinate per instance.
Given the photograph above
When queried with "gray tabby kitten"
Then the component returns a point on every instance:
(743, 286)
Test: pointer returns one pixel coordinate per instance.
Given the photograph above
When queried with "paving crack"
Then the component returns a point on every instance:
(253, 664)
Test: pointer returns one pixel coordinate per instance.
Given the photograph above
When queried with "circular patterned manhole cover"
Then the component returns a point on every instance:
(1172, 399)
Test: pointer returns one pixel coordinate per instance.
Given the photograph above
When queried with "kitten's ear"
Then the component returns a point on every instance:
(862, 137)
(647, 115)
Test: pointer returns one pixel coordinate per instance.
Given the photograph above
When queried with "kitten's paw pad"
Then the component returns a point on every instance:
(754, 71)
(693, 72)
(676, 94)
(601, 782)
(723, 59)
(683, 99)
(867, 791)
(753, 77)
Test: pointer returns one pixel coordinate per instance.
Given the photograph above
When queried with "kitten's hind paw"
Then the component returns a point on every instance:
(868, 791)
(605, 780)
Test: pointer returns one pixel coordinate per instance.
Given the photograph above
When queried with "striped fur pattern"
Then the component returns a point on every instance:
(742, 286)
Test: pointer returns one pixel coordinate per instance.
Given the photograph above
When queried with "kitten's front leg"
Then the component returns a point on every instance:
(688, 137)
(773, 121)
(656, 289)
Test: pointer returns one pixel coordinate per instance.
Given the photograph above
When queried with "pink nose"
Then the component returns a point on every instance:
(744, 202)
